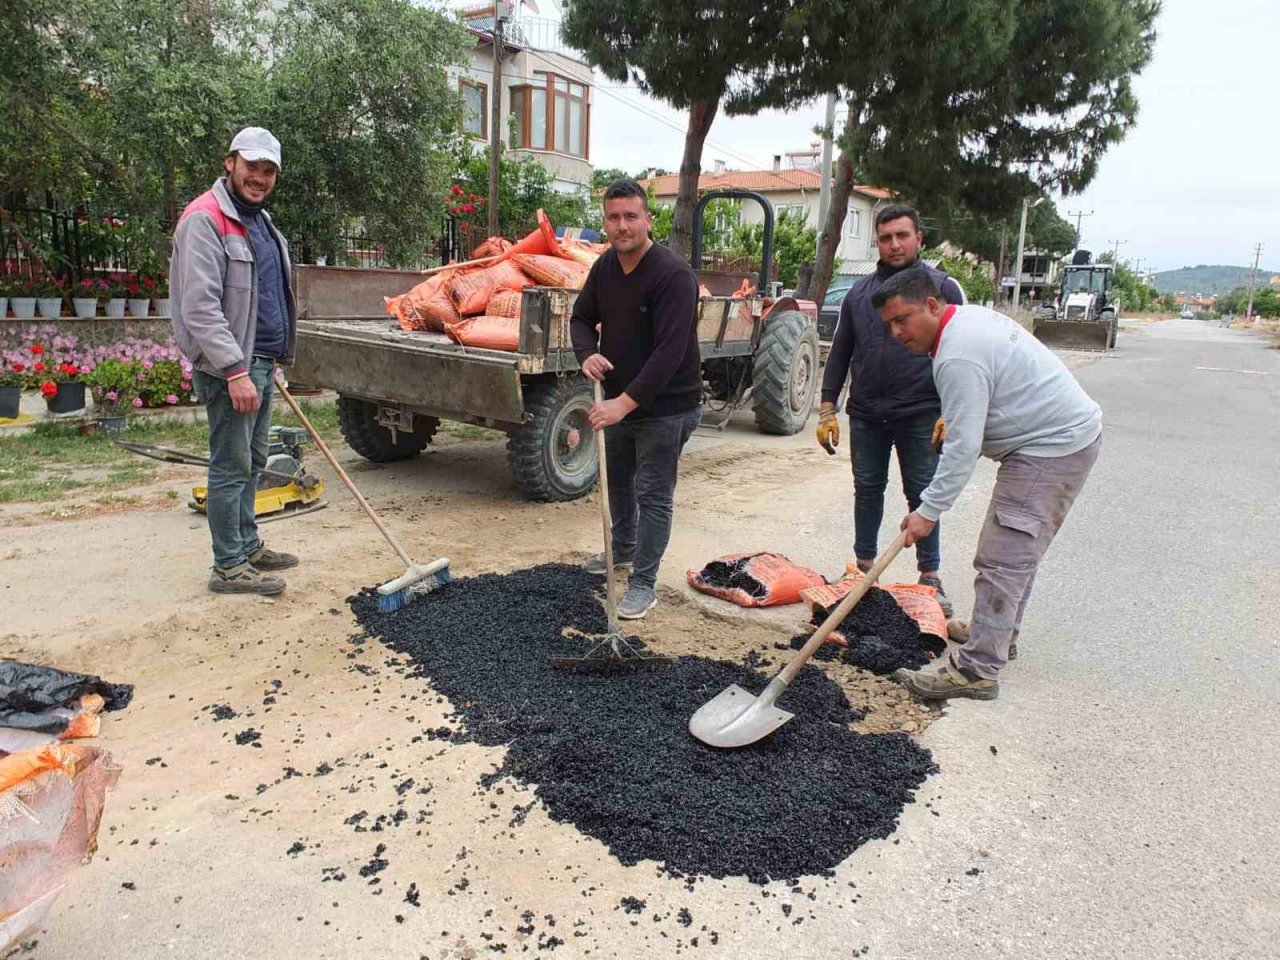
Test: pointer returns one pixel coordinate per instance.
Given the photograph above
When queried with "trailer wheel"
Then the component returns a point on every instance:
(553, 455)
(785, 378)
(1113, 331)
(358, 421)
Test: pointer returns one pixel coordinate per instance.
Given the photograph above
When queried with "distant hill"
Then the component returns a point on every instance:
(1207, 280)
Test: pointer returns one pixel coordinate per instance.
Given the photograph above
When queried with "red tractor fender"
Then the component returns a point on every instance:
(808, 307)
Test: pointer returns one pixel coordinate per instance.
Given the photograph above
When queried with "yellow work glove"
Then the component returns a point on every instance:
(939, 434)
(828, 428)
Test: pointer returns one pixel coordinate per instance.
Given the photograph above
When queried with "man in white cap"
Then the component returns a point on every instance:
(234, 318)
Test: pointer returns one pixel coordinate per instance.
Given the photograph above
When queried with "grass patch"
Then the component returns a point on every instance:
(53, 460)
(469, 431)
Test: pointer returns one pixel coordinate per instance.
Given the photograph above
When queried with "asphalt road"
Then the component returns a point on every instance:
(1129, 806)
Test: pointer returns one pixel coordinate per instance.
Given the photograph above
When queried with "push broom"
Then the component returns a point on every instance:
(418, 578)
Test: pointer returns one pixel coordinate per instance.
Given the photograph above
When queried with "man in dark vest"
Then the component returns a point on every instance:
(234, 318)
(892, 401)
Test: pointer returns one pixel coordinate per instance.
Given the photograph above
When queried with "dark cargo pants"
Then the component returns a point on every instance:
(1030, 501)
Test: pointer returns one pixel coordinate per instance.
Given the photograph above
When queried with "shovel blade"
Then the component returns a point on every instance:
(735, 718)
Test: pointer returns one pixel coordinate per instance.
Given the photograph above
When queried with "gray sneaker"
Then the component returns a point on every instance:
(595, 564)
(264, 559)
(936, 583)
(637, 602)
(245, 579)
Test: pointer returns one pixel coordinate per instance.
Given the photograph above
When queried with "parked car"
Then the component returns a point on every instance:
(829, 313)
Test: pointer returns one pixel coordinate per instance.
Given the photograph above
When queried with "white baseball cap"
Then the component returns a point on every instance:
(255, 143)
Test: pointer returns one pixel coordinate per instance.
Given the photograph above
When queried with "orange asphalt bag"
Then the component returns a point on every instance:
(492, 333)
(916, 600)
(755, 579)
(504, 303)
(427, 306)
(471, 289)
(553, 271)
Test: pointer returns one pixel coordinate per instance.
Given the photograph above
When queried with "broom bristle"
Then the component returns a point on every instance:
(391, 602)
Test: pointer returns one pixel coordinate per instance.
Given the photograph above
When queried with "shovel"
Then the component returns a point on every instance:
(735, 718)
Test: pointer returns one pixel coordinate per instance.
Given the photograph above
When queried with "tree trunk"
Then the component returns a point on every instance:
(829, 238)
(701, 115)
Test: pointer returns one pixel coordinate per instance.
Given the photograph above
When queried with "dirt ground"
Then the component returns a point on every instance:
(211, 848)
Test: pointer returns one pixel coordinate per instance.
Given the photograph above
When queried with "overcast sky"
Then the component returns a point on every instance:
(1196, 181)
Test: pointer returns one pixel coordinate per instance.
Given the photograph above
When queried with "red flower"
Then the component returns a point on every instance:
(133, 288)
(19, 367)
(456, 190)
(455, 209)
(39, 367)
(472, 197)
(48, 388)
(148, 282)
(37, 349)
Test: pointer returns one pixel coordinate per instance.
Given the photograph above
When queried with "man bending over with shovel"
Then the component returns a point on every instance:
(634, 328)
(1008, 397)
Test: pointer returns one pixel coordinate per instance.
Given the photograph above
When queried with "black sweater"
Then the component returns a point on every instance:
(648, 330)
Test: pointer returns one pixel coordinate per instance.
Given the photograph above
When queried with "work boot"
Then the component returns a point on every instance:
(243, 578)
(595, 564)
(264, 559)
(958, 630)
(637, 601)
(942, 680)
(932, 580)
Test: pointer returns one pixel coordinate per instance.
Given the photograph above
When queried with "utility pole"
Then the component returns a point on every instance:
(1022, 239)
(1115, 251)
(501, 11)
(1000, 266)
(1079, 214)
(824, 191)
(1253, 279)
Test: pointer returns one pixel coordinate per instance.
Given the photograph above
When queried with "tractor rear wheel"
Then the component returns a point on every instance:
(358, 421)
(785, 376)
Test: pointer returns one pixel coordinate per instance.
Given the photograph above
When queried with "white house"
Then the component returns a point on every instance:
(794, 190)
(546, 95)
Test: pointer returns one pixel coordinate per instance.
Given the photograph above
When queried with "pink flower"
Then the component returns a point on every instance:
(137, 401)
(112, 396)
(86, 369)
(186, 385)
(171, 398)
(147, 364)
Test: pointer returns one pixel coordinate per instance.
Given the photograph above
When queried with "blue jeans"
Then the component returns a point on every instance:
(870, 445)
(237, 453)
(642, 457)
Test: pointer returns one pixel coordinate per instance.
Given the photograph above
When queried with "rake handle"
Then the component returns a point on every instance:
(841, 611)
(342, 474)
(611, 604)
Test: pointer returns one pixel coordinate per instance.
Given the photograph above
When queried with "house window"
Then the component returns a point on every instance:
(792, 211)
(551, 114)
(853, 224)
(475, 116)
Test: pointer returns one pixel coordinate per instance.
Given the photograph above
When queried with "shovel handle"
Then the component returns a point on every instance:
(611, 602)
(842, 610)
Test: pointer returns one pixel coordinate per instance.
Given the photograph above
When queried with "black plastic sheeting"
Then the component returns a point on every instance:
(881, 637)
(28, 690)
(610, 752)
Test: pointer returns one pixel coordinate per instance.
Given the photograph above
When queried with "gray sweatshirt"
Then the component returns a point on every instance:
(1003, 392)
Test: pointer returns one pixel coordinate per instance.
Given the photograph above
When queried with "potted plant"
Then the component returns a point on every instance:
(117, 297)
(85, 295)
(48, 293)
(115, 390)
(22, 297)
(60, 384)
(13, 377)
(159, 287)
(139, 297)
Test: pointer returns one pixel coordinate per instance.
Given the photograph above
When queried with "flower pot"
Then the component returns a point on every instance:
(112, 424)
(162, 306)
(139, 307)
(50, 308)
(85, 306)
(115, 308)
(10, 402)
(68, 399)
(4, 306)
(24, 308)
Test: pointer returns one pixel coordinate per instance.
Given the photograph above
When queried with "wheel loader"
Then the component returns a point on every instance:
(1085, 315)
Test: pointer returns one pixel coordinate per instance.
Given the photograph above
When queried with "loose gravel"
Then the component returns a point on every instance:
(610, 752)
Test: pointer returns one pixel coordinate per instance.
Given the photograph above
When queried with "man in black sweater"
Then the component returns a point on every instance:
(634, 329)
(892, 400)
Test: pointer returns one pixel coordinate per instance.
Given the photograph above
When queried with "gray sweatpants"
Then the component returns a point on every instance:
(1031, 499)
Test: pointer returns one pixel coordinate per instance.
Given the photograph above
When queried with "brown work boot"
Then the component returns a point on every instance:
(941, 680)
(264, 559)
(958, 631)
(243, 578)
